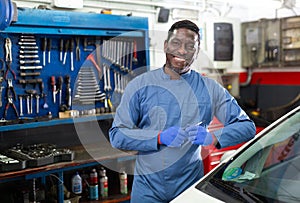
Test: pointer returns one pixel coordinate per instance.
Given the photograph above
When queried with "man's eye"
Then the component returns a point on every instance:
(175, 43)
(190, 47)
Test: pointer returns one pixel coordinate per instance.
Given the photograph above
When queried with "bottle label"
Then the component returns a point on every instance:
(104, 188)
(93, 178)
(77, 189)
(123, 183)
(94, 192)
(77, 184)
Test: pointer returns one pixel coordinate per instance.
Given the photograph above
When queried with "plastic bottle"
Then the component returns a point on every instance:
(103, 183)
(93, 188)
(77, 184)
(85, 184)
(123, 183)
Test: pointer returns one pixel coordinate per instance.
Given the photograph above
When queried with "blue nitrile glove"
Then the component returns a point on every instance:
(199, 135)
(172, 137)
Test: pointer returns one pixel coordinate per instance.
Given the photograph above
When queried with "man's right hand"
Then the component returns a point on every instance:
(172, 137)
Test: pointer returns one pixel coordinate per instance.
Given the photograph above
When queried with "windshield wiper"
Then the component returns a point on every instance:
(228, 188)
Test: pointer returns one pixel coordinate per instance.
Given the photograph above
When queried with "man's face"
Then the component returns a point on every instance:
(181, 49)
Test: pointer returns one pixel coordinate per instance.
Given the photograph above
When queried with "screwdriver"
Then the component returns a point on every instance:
(68, 91)
(71, 52)
(49, 49)
(61, 47)
(59, 84)
(43, 47)
(66, 51)
(53, 88)
(45, 106)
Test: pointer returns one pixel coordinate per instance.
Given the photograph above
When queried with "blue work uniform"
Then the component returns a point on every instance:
(153, 102)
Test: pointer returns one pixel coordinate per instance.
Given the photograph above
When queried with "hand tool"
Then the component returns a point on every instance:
(21, 105)
(72, 54)
(27, 43)
(45, 106)
(30, 67)
(8, 44)
(43, 48)
(66, 50)
(77, 39)
(29, 47)
(31, 92)
(49, 44)
(8, 58)
(10, 89)
(131, 56)
(2, 70)
(29, 61)
(91, 58)
(27, 36)
(25, 74)
(100, 96)
(135, 60)
(116, 82)
(27, 40)
(37, 103)
(59, 89)
(28, 103)
(123, 61)
(127, 56)
(121, 82)
(1, 89)
(10, 103)
(106, 109)
(29, 51)
(105, 77)
(53, 88)
(30, 81)
(61, 47)
(28, 56)
(68, 91)
(9, 69)
(98, 53)
(85, 45)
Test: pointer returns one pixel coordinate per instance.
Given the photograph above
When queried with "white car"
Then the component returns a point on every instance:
(266, 169)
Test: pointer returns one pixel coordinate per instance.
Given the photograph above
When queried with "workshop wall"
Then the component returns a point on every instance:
(197, 11)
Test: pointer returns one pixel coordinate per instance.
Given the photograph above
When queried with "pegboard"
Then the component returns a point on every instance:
(44, 52)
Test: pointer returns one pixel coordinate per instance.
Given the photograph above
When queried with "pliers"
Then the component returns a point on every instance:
(8, 58)
(2, 70)
(9, 89)
(10, 103)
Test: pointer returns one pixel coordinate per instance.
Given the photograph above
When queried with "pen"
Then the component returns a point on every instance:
(197, 124)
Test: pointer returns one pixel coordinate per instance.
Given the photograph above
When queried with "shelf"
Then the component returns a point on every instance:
(82, 159)
(54, 122)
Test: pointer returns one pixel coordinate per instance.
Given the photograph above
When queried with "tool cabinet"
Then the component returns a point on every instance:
(62, 76)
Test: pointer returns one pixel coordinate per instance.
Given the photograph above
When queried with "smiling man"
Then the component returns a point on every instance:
(164, 114)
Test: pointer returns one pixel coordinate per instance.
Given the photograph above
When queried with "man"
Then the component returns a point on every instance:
(164, 114)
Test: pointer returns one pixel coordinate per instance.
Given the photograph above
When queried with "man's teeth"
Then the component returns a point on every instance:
(179, 59)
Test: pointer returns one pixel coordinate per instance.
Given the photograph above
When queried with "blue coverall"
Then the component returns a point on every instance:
(153, 102)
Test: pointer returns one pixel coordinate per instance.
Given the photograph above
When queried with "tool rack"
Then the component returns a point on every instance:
(65, 69)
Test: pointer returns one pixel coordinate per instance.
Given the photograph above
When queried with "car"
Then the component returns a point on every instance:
(265, 169)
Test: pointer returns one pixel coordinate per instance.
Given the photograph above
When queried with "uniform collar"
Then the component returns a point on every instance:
(166, 76)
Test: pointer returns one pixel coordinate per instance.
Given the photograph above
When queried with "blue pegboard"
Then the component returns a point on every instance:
(66, 25)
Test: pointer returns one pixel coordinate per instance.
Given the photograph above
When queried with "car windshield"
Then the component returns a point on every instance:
(266, 171)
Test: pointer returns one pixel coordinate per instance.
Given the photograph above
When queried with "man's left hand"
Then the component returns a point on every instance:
(199, 135)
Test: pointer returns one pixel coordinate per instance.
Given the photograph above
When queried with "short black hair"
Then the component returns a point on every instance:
(184, 24)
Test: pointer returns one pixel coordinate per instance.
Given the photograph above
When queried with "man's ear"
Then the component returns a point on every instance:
(165, 46)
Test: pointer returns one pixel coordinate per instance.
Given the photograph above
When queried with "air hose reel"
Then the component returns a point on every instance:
(7, 13)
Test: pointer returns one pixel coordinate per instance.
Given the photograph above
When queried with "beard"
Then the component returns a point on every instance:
(178, 68)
